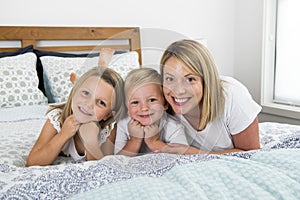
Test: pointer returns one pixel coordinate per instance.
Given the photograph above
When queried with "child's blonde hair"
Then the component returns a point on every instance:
(139, 77)
(109, 76)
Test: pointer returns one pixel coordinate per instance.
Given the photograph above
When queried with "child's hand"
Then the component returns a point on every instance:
(70, 126)
(135, 129)
(152, 138)
(151, 131)
(89, 134)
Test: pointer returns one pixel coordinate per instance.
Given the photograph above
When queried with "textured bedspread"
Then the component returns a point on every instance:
(269, 173)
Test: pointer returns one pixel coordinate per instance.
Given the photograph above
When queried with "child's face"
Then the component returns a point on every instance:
(146, 104)
(93, 100)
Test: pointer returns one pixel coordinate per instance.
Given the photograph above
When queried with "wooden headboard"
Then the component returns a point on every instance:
(122, 38)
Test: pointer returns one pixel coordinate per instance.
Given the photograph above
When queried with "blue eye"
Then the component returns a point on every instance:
(169, 79)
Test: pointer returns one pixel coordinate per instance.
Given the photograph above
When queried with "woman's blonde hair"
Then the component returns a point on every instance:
(198, 60)
(109, 76)
(141, 76)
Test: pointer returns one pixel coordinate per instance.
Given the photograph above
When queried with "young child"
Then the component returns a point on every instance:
(148, 127)
(95, 102)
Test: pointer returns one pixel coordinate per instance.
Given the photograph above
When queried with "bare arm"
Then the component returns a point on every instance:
(152, 138)
(50, 143)
(108, 146)
(133, 145)
(246, 140)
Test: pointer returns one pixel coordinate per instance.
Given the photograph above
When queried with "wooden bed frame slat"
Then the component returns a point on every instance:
(31, 35)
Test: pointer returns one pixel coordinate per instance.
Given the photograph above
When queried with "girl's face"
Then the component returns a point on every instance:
(182, 88)
(146, 104)
(93, 100)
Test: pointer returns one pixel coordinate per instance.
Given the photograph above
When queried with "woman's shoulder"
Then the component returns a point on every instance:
(233, 86)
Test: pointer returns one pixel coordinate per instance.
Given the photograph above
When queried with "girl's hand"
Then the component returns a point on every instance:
(135, 129)
(151, 132)
(152, 138)
(70, 126)
(89, 134)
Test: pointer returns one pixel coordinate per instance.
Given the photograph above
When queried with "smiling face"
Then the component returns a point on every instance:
(182, 88)
(146, 104)
(93, 100)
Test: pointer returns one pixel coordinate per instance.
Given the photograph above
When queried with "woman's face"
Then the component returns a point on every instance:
(93, 100)
(146, 104)
(182, 88)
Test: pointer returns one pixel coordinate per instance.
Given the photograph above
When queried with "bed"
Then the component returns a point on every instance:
(32, 58)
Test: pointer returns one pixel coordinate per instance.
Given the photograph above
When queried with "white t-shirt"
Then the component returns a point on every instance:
(240, 110)
(171, 131)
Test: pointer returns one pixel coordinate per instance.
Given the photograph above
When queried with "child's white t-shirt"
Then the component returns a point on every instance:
(171, 131)
(239, 112)
(69, 148)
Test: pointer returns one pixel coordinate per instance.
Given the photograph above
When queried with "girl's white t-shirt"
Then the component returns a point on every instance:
(240, 110)
(69, 148)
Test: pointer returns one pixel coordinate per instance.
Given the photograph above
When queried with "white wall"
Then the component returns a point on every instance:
(161, 21)
(232, 28)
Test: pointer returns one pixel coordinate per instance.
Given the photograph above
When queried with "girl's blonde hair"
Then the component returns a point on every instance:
(109, 76)
(198, 60)
(141, 76)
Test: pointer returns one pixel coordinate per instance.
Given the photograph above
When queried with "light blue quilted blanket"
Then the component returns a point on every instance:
(265, 175)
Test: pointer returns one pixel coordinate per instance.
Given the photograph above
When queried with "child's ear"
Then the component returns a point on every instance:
(166, 106)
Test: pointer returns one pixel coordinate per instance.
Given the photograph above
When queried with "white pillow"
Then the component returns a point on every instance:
(19, 81)
(57, 71)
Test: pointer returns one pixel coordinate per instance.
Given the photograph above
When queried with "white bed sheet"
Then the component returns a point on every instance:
(20, 127)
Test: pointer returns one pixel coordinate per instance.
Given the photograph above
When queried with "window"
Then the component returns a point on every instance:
(281, 58)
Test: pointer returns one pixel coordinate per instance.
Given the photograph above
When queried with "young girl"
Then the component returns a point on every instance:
(73, 128)
(148, 127)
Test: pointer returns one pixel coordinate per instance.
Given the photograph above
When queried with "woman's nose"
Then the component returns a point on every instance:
(178, 88)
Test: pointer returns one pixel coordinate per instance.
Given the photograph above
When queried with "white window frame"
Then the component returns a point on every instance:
(268, 71)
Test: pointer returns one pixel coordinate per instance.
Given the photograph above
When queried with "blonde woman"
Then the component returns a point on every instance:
(218, 113)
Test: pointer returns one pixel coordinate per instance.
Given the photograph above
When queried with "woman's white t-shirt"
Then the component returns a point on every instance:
(240, 110)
